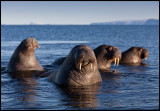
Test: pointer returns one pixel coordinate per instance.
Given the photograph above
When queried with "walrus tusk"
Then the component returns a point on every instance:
(91, 66)
(80, 66)
(114, 61)
(145, 58)
(117, 61)
(37, 45)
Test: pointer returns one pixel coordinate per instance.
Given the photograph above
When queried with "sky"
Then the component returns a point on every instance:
(76, 12)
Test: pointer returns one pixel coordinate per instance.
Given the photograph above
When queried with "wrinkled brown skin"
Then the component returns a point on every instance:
(105, 55)
(70, 72)
(23, 58)
(134, 55)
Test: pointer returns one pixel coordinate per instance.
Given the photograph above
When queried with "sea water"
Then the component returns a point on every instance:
(136, 87)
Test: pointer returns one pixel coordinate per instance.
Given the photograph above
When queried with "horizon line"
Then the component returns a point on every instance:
(32, 23)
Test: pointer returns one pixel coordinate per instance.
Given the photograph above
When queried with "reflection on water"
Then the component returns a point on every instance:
(27, 90)
(25, 87)
(82, 97)
(137, 68)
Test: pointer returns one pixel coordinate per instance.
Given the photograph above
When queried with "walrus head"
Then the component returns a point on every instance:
(79, 68)
(105, 55)
(28, 45)
(143, 53)
(134, 55)
(84, 58)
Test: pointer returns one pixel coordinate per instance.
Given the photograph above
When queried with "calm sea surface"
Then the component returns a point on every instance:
(136, 87)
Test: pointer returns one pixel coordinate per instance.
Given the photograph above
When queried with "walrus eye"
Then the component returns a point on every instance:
(140, 52)
(29, 47)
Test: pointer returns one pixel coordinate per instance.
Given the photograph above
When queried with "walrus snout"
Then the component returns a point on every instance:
(30, 43)
(35, 43)
(84, 64)
(114, 54)
(84, 58)
(145, 54)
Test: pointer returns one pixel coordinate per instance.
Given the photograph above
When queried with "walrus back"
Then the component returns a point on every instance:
(11, 66)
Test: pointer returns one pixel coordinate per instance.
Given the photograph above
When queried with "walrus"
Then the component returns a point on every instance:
(134, 55)
(78, 69)
(105, 55)
(23, 58)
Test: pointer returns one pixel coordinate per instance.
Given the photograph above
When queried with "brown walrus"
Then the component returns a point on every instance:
(105, 55)
(134, 55)
(23, 58)
(79, 68)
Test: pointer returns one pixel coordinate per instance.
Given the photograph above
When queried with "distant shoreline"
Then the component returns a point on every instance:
(131, 22)
(79, 25)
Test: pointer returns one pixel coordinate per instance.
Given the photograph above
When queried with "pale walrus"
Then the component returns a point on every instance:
(23, 58)
(78, 69)
(105, 55)
(134, 55)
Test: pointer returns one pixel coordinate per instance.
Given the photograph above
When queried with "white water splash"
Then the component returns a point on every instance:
(14, 43)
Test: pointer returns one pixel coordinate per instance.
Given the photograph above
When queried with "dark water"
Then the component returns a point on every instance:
(136, 87)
